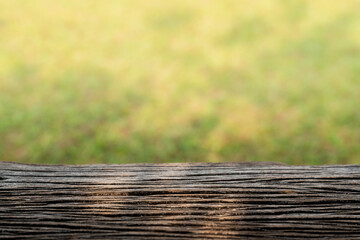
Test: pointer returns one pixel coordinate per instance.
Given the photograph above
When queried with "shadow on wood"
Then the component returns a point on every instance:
(179, 201)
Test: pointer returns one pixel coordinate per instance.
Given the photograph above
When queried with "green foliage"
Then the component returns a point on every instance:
(169, 81)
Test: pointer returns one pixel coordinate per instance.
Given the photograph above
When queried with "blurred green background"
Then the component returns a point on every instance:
(128, 81)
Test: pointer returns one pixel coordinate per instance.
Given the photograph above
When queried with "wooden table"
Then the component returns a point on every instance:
(179, 201)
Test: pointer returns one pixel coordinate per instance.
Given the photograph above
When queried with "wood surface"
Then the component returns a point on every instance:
(179, 201)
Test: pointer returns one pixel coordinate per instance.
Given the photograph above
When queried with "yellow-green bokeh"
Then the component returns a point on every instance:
(117, 81)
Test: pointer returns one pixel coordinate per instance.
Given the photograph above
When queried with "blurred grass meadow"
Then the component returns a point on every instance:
(130, 81)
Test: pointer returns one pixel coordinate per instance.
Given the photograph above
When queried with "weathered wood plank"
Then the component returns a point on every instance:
(179, 201)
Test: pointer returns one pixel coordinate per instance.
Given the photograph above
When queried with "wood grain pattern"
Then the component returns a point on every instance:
(179, 201)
